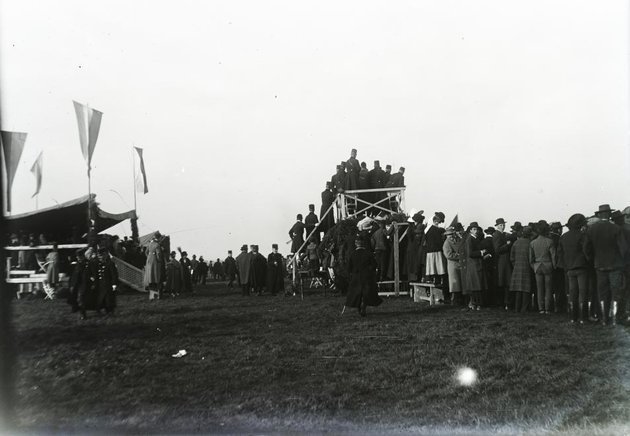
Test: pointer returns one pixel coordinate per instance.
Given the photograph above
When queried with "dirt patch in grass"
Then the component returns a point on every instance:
(264, 364)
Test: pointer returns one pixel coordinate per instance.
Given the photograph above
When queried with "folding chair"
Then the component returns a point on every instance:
(49, 291)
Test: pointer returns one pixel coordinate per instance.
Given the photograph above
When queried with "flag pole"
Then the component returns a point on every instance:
(133, 156)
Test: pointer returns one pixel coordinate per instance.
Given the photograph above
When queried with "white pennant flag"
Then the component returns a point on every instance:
(89, 125)
(37, 169)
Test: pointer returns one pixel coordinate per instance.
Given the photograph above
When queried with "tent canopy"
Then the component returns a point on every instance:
(65, 222)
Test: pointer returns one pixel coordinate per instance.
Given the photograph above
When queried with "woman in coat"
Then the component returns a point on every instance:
(521, 278)
(154, 264)
(475, 279)
(452, 265)
(362, 291)
(174, 276)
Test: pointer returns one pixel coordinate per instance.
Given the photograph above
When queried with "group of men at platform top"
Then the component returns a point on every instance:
(351, 175)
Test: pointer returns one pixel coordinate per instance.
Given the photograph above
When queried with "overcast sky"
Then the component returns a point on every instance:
(497, 109)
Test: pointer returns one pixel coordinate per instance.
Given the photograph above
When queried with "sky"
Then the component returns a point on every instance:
(243, 108)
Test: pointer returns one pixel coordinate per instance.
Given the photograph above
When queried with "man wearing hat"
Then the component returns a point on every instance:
(328, 197)
(107, 281)
(352, 168)
(258, 271)
(502, 246)
(243, 267)
(362, 291)
(376, 180)
(387, 175)
(515, 229)
(396, 180)
(572, 257)
(174, 276)
(619, 218)
(559, 284)
(230, 269)
(79, 283)
(186, 268)
(338, 180)
(433, 242)
(489, 267)
(475, 280)
(310, 222)
(297, 234)
(275, 271)
(607, 245)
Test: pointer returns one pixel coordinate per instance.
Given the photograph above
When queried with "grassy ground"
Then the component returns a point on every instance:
(265, 364)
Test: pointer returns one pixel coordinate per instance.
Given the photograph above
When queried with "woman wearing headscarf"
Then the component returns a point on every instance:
(362, 291)
(542, 257)
(521, 277)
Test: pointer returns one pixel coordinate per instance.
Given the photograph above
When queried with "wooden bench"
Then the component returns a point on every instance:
(390, 293)
(426, 292)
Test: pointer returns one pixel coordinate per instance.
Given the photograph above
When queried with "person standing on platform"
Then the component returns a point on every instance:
(328, 197)
(352, 171)
(230, 269)
(396, 180)
(376, 180)
(363, 290)
(387, 175)
(243, 268)
(275, 271)
(310, 222)
(154, 263)
(297, 234)
(502, 247)
(338, 181)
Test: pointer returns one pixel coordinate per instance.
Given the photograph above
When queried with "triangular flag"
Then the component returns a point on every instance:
(37, 169)
(141, 184)
(455, 221)
(89, 125)
(12, 146)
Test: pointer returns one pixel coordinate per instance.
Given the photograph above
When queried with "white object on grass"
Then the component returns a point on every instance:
(466, 376)
(180, 353)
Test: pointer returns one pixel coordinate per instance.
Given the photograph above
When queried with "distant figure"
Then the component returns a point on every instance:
(572, 256)
(502, 247)
(243, 268)
(338, 180)
(52, 267)
(297, 234)
(362, 291)
(433, 243)
(275, 271)
(194, 263)
(397, 180)
(258, 271)
(387, 175)
(230, 269)
(174, 276)
(202, 271)
(376, 180)
(154, 263)
(542, 257)
(186, 266)
(310, 222)
(475, 280)
(217, 270)
(328, 197)
(107, 281)
(79, 282)
(352, 169)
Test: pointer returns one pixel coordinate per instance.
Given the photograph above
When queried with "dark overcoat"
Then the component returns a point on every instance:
(474, 265)
(363, 288)
(521, 280)
(329, 220)
(297, 236)
(275, 273)
(502, 255)
(258, 271)
(230, 267)
(174, 276)
(107, 279)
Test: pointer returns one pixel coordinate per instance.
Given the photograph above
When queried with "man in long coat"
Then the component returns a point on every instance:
(376, 180)
(363, 290)
(452, 265)
(186, 268)
(296, 233)
(230, 269)
(475, 279)
(502, 247)
(352, 171)
(275, 271)
(310, 222)
(107, 281)
(327, 200)
(154, 264)
(258, 271)
(174, 276)
(338, 181)
(243, 268)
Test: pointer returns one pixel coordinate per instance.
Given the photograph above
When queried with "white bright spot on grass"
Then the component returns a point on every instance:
(466, 376)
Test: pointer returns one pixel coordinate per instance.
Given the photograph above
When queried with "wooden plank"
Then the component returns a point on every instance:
(34, 280)
(393, 294)
(45, 247)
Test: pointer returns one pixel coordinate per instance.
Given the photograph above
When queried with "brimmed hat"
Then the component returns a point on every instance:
(473, 224)
(499, 221)
(449, 231)
(543, 227)
(173, 253)
(458, 227)
(418, 217)
(604, 208)
(526, 232)
(244, 247)
(617, 214)
(490, 230)
(517, 226)
(274, 246)
(440, 216)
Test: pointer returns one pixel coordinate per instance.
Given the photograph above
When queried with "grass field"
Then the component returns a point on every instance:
(281, 364)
